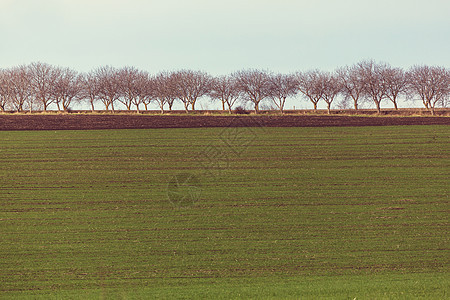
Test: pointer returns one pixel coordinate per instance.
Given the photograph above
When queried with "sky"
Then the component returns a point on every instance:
(221, 37)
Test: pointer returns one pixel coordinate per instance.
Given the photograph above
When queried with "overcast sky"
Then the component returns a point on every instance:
(224, 36)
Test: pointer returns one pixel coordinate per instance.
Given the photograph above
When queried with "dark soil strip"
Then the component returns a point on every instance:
(83, 122)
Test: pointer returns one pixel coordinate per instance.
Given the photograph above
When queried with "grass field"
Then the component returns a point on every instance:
(344, 213)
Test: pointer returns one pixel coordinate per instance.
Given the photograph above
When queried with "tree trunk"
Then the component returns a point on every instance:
(223, 105)
(315, 106)
(432, 110)
(355, 104)
(137, 108)
(329, 108)
(256, 107)
(193, 105)
(281, 108)
(92, 106)
(282, 102)
(378, 107)
(229, 108)
(395, 105)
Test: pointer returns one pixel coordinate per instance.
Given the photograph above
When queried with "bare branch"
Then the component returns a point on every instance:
(254, 86)
(43, 77)
(431, 84)
(310, 85)
(191, 85)
(224, 89)
(109, 86)
(282, 86)
(352, 83)
(331, 87)
(374, 83)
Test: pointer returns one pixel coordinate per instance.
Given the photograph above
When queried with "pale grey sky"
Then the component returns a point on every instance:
(224, 36)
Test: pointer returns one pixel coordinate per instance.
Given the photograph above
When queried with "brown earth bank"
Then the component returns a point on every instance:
(129, 121)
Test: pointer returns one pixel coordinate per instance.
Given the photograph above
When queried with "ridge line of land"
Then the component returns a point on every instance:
(121, 121)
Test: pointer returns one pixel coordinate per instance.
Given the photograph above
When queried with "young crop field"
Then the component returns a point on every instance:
(326, 212)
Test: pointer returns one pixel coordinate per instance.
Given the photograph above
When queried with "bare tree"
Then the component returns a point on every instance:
(331, 87)
(282, 86)
(431, 84)
(374, 81)
(395, 83)
(67, 88)
(145, 87)
(129, 91)
(5, 89)
(43, 77)
(21, 90)
(57, 87)
(39, 85)
(190, 86)
(109, 86)
(224, 89)
(352, 83)
(445, 94)
(254, 86)
(90, 88)
(165, 89)
(310, 84)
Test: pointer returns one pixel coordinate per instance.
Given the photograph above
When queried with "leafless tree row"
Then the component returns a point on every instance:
(38, 86)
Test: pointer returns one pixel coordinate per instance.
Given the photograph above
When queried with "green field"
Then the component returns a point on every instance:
(339, 213)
